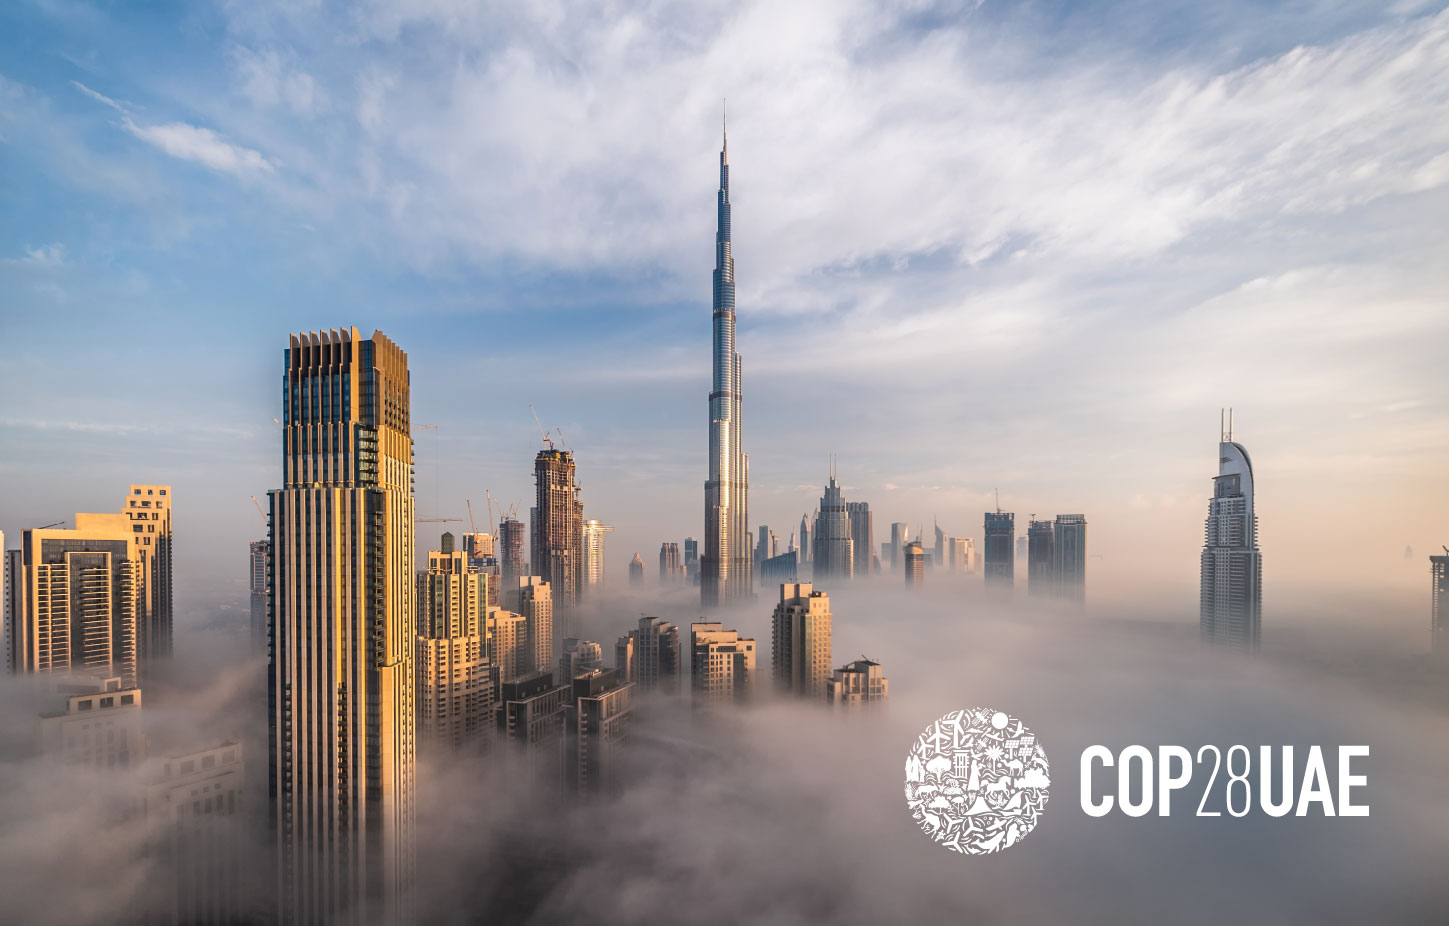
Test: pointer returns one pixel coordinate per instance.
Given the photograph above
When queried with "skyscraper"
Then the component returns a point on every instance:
(807, 546)
(725, 566)
(558, 556)
(939, 559)
(579, 656)
(455, 677)
(800, 631)
(1069, 556)
(768, 546)
(722, 664)
(961, 554)
(859, 684)
(999, 529)
(636, 570)
(340, 681)
(511, 563)
(79, 600)
(598, 725)
(148, 507)
(862, 538)
(533, 598)
(13, 582)
(257, 582)
(1439, 604)
(691, 560)
(1040, 572)
(834, 548)
(594, 532)
(915, 563)
(650, 656)
(1232, 567)
(671, 570)
(900, 536)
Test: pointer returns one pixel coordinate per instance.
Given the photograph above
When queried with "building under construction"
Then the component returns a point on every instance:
(557, 530)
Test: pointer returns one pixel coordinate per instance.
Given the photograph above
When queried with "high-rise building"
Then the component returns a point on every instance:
(148, 507)
(99, 725)
(900, 536)
(939, 559)
(511, 563)
(80, 600)
(1069, 556)
(455, 679)
(195, 811)
(13, 582)
(558, 556)
(1439, 605)
(532, 718)
(1040, 571)
(999, 529)
(579, 656)
(780, 568)
(671, 570)
(341, 676)
(834, 547)
(961, 554)
(257, 583)
(1232, 567)
(649, 656)
(691, 560)
(915, 563)
(533, 598)
(1021, 547)
(636, 570)
(859, 684)
(768, 546)
(511, 649)
(724, 569)
(800, 629)
(862, 538)
(807, 546)
(594, 531)
(722, 664)
(601, 715)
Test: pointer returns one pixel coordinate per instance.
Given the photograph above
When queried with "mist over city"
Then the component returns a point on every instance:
(724, 463)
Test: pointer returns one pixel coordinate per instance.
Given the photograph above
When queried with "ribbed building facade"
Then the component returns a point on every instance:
(834, 547)
(1232, 567)
(862, 537)
(997, 533)
(341, 676)
(456, 679)
(725, 565)
(1069, 556)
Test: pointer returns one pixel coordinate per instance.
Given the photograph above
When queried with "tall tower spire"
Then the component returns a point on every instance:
(726, 563)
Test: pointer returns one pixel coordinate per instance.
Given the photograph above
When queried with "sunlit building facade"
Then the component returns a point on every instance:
(1232, 566)
(800, 630)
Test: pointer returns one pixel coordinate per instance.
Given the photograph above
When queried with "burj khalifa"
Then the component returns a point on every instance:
(725, 564)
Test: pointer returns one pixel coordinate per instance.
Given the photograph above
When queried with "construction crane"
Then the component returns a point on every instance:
(541, 433)
(424, 427)
(434, 520)
(259, 508)
(489, 496)
(472, 527)
(48, 526)
(561, 442)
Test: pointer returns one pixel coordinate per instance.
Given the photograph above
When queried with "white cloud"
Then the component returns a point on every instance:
(192, 143)
(47, 257)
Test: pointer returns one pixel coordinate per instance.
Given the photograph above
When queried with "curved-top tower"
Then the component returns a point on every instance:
(1232, 566)
(725, 564)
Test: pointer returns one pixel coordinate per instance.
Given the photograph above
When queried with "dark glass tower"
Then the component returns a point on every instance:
(726, 562)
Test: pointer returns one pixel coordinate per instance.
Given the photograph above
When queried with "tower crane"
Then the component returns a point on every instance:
(541, 433)
(259, 508)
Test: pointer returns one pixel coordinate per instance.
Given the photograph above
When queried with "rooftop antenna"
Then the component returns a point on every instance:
(725, 123)
(1230, 424)
(998, 500)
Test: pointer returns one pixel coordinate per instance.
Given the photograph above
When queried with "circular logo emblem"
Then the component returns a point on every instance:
(976, 781)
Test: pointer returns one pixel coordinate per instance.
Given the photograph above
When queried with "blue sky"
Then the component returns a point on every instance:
(1026, 246)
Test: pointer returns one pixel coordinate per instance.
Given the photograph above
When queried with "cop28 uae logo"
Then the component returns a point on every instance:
(976, 781)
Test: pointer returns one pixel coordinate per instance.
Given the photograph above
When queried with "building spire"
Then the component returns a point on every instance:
(725, 126)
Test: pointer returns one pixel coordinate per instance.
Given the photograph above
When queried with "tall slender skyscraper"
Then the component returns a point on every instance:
(997, 533)
(1439, 604)
(1232, 567)
(340, 681)
(593, 556)
(914, 560)
(511, 563)
(455, 679)
(862, 536)
(800, 633)
(725, 566)
(1069, 556)
(149, 509)
(834, 547)
(1039, 570)
(558, 534)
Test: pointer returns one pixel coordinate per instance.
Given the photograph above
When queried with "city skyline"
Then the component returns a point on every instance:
(1002, 278)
